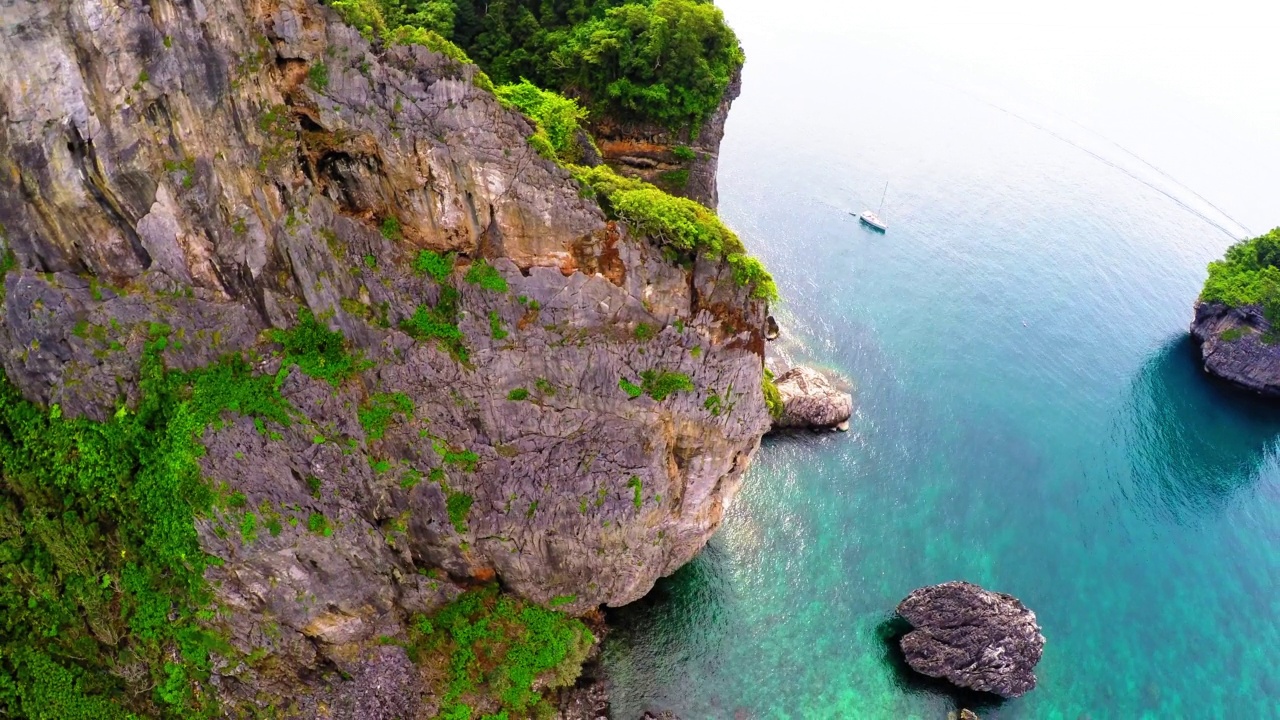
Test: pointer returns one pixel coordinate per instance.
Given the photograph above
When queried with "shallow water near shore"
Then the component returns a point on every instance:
(1032, 416)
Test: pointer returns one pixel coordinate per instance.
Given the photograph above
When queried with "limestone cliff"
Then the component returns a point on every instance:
(222, 168)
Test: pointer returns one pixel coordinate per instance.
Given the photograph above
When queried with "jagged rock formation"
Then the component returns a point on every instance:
(810, 401)
(590, 702)
(1232, 345)
(661, 156)
(974, 638)
(218, 168)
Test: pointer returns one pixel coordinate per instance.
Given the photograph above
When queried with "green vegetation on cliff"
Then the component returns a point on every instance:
(492, 649)
(662, 61)
(557, 119)
(685, 227)
(103, 571)
(1248, 275)
(772, 396)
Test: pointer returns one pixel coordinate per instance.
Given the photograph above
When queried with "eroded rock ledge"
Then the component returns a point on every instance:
(1234, 346)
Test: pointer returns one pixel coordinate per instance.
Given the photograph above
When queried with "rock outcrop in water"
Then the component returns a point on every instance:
(222, 169)
(1232, 346)
(974, 638)
(809, 400)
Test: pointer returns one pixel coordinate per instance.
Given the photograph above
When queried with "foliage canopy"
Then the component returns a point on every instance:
(1248, 275)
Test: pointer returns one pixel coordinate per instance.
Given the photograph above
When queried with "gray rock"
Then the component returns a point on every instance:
(974, 638)
(772, 331)
(170, 163)
(810, 401)
(1231, 346)
(585, 702)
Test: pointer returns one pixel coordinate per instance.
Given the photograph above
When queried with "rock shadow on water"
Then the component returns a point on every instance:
(1194, 442)
(890, 631)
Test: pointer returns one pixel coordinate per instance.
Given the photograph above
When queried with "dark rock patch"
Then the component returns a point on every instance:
(976, 639)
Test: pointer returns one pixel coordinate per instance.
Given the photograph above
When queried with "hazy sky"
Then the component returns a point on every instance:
(1193, 87)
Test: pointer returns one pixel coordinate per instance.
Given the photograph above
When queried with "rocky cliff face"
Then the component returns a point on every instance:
(683, 163)
(220, 168)
(1232, 343)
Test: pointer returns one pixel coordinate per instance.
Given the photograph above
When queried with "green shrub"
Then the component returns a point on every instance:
(363, 15)
(438, 266)
(684, 153)
(637, 488)
(1235, 333)
(465, 459)
(319, 524)
(644, 332)
(459, 505)
(772, 398)
(675, 178)
(439, 323)
(632, 390)
(318, 76)
(483, 274)
(518, 394)
(380, 409)
(557, 119)
(496, 330)
(713, 404)
(316, 350)
(390, 228)
(660, 384)
(680, 224)
(494, 646)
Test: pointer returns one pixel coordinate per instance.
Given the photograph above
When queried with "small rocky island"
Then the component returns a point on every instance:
(972, 637)
(1236, 312)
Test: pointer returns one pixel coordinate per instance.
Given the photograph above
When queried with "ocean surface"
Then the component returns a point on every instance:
(1031, 414)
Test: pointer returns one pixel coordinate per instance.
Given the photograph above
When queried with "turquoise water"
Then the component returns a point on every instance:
(1031, 415)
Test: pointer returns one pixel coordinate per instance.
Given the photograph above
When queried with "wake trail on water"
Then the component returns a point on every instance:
(1110, 163)
(1164, 174)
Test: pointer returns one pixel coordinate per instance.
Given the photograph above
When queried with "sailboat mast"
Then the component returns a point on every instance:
(882, 196)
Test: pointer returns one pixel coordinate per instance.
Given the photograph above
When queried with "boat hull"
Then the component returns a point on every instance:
(872, 223)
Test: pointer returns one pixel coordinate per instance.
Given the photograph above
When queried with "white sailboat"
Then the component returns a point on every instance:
(873, 218)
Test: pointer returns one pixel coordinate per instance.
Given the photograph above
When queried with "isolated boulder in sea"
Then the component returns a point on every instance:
(974, 638)
(810, 401)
